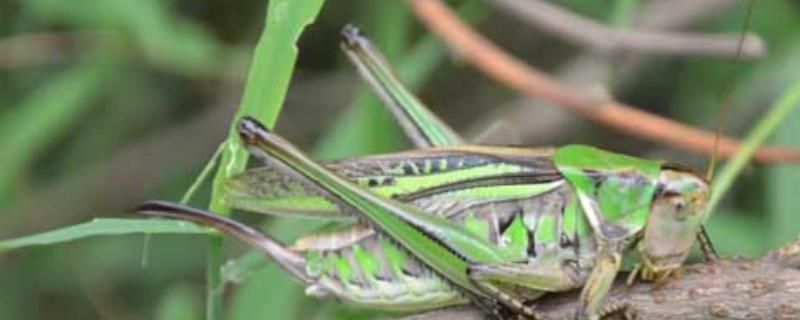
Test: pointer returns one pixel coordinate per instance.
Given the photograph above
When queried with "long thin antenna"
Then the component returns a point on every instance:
(726, 92)
(702, 237)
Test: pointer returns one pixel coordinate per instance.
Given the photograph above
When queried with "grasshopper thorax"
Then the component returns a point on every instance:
(675, 219)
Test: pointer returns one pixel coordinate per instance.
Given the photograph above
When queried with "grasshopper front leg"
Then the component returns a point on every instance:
(607, 263)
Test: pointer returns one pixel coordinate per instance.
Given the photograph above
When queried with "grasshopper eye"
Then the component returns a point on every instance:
(680, 194)
(680, 206)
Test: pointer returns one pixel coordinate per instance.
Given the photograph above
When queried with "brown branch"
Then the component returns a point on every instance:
(670, 14)
(533, 122)
(767, 288)
(574, 28)
(521, 77)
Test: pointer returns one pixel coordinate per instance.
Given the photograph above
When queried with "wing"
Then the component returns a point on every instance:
(443, 179)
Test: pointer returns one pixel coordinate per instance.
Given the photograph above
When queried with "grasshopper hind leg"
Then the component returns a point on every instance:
(287, 259)
(506, 306)
(421, 125)
(624, 310)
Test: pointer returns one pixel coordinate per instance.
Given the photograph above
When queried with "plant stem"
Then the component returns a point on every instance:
(214, 286)
(765, 126)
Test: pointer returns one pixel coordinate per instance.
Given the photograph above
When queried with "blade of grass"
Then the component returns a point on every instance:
(780, 193)
(204, 174)
(765, 126)
(267, 82)
(102, 227)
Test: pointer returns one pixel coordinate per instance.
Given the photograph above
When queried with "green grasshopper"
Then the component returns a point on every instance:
(449, 223)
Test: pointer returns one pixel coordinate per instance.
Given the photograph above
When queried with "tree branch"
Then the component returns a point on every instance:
(574, 28)
(535, 122)
(767, 288)
(504, 68)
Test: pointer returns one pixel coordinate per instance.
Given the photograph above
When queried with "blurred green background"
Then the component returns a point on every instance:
(106, 103)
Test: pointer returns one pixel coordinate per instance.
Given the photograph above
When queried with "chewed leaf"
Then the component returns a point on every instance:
(102, 227)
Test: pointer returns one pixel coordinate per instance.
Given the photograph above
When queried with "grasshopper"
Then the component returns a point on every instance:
(450, 223)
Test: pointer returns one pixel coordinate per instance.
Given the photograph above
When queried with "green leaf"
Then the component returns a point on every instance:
(265, 90)
(267, 81)
(102, 227)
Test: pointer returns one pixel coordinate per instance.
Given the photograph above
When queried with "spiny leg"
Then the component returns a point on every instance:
(421, 125)
(540, 276)
(516, 304)
(622, 309)
(287, 259)
(706, 245)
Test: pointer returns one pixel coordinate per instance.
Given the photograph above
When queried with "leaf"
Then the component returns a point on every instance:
(265, 90)
(267, 81)
(102, 227)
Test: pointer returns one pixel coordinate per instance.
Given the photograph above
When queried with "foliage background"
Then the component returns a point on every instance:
(107, 103)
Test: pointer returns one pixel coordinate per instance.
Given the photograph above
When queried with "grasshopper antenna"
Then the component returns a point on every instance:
(706, 245)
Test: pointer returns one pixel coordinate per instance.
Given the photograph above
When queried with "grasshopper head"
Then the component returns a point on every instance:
(675, 219)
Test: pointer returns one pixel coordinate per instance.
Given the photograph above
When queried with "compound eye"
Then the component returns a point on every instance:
(680, 206)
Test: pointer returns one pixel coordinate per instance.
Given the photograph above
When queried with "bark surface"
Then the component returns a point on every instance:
(736, 288)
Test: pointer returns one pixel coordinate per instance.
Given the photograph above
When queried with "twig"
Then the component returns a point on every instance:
(574, 28)
(508, 70)
(730, 289)
(534, 122)
(673, 14)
